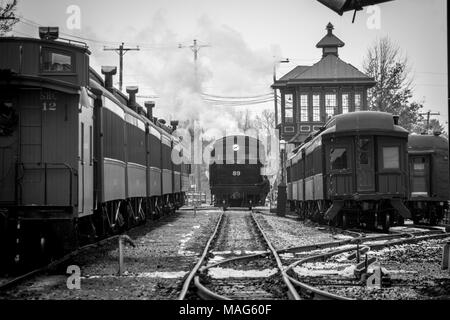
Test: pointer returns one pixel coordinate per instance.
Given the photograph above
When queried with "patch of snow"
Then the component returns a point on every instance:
(317, 270)
(221, 273)
(342, 237)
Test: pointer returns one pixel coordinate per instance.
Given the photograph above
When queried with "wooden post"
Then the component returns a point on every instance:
(120, 256)
(446, 257)
(123, 238)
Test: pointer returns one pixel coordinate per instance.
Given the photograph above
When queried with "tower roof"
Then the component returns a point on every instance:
(330, 40)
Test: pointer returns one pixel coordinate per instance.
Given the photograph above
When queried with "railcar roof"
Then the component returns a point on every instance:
(363, 120)
(422, 142)
(62, 43)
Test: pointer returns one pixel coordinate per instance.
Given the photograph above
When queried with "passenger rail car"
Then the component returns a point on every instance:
(78, 159)
(429, 185)
(235, 173)
(352, 172)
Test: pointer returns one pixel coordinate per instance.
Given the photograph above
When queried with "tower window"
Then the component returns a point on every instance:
(330, 104)
(289, 108)
(316, 108)
(357, 102)
(304, 108)
(345, 104)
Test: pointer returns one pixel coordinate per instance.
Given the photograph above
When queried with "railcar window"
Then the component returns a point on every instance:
(391, 158)
(364, 145)
(289, 108)
(53, 61)
(338, 159)
(419, 164)
(316, 108)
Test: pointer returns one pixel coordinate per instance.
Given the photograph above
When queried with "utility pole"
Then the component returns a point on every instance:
(195, 47)
(428, 114)
(121, 52)
(275, 89)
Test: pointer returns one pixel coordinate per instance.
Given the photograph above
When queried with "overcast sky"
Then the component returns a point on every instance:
(243, 35)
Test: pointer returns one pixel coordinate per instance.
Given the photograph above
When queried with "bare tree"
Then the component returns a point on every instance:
(7, 17)
(392, 93)
(265, 121)
(244, 120)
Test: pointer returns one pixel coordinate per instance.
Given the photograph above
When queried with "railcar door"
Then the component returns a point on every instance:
(85, 159)
(339, 161)
(419, 179)
(365, 171)
(9, 119)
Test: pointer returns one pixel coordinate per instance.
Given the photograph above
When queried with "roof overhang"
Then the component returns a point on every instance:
(15, 80)
(324, 82)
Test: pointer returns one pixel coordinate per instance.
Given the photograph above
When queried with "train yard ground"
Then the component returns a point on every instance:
(237, 254)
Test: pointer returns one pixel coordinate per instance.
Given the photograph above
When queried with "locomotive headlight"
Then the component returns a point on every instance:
(236, 147)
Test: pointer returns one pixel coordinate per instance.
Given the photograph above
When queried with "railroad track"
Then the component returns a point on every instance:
(208, 289)
(271, 283)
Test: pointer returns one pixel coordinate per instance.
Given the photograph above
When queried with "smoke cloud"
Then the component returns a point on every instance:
(226, 67)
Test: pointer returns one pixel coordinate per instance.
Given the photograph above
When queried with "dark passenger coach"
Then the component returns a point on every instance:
(354, 171)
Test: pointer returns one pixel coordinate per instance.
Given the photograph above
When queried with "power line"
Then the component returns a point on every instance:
(234, 97)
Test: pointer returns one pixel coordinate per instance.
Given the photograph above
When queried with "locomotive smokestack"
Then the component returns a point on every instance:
(109, 72)
(174, 124)
(132, 97)
(149, 105)
(396, 118)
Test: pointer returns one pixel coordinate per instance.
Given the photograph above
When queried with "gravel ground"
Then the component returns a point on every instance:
(165, 252)
(286, 232)
(414, 269)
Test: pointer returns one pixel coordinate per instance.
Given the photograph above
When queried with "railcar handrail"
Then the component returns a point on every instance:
(57, 166)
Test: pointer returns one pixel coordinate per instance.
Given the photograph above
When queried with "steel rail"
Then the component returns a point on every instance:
(294, 294)
(194, 270)
(207, 294)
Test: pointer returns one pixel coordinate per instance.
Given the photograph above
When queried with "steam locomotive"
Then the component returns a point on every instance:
(79, 159)
(235, 172)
